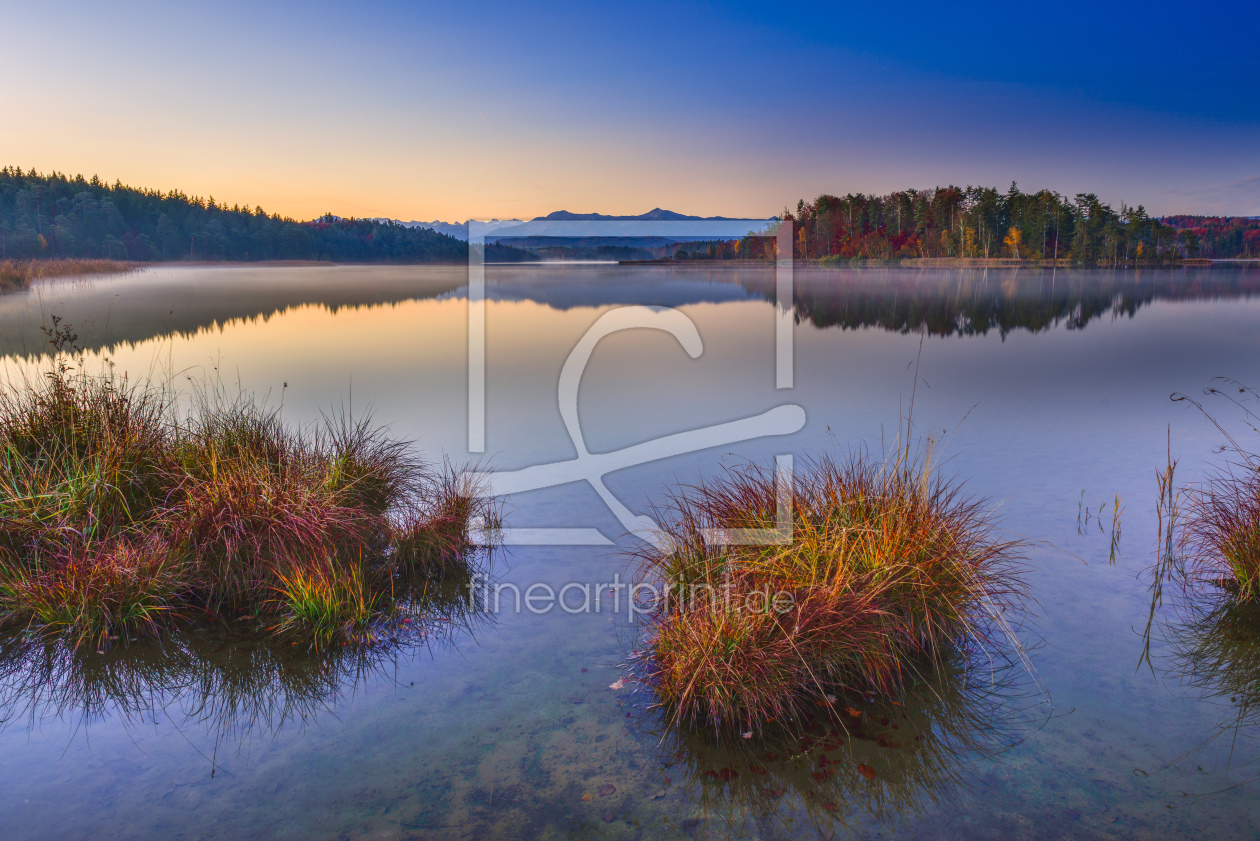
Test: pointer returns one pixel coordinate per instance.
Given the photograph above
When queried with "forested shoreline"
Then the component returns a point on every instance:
(61, 217)
(982, 226)
(1220, 237)
(981, 222)
(55, 216)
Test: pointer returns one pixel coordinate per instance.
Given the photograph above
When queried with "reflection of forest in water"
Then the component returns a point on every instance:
(975, 301)
(860, 760)
(107, 312)
(120, 310)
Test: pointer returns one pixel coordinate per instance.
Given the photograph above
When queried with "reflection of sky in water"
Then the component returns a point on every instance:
(503, 732)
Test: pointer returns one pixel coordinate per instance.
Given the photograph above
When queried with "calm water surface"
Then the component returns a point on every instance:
(1045, 385)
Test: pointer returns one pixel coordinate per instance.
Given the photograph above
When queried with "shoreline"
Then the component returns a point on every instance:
(935, 262)
(19, 273)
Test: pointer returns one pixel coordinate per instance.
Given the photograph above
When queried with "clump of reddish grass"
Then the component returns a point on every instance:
(438, 532)
(114, 512)
(1222, 532)
(256, 499)
(889, 565)
(1216, 534)
(89, 454)
(740, 666)
(94, 591)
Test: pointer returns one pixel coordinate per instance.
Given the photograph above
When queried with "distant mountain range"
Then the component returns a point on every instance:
(656, 214)
(656, 222)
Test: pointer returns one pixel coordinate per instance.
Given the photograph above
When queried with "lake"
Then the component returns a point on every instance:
(1049, 391)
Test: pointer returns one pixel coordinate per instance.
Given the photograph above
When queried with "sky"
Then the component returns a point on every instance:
(427, 111)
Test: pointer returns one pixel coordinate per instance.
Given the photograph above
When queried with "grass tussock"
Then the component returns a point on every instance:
(1222, 532)
(18, 274)
(1211, 534)
(91, 590)
(889, 567)
(118, 517)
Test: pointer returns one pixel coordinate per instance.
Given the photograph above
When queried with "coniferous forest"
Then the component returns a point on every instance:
(74, 217)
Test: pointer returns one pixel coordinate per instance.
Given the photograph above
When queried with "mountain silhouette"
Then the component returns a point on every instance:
(656, 214)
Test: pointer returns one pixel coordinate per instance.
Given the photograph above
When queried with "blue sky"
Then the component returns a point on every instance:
(427, 110)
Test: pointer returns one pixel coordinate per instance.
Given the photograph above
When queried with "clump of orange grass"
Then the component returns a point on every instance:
(888, 567)
(117, 516)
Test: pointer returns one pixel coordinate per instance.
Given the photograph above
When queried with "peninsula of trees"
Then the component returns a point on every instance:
(981, 222)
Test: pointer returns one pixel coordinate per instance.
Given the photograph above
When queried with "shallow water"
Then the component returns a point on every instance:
(1043, 385)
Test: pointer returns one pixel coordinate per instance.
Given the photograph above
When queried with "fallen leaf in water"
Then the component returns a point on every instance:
(668, 780)
(821, 775)
(852, 712)
(757, 769)
(606, 790)
(748, 735)
(586, 798)
(620, 683)
(866, 771)
(829, 806)
(728, 774)
(770, 757)
(883, 722)
(776, 792)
